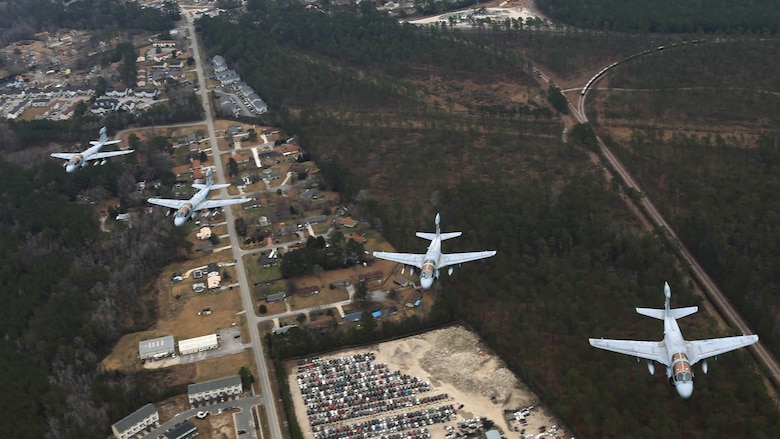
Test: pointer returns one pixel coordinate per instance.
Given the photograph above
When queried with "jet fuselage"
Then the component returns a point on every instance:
(185, 212)
(679, 373)
(79, 160)
(430, 270)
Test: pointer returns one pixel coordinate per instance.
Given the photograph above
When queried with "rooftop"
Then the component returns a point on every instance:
(133, 418)
(220, 383)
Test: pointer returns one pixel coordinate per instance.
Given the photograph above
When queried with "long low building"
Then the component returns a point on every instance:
(136, 422)
(210, 391)
(198, 344)
(157, 348)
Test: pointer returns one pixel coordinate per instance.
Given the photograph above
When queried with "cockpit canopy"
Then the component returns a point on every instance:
(681, 368)
(428, 269)
(183, 212)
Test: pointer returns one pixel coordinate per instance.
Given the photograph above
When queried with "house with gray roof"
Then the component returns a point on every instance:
(219, 64)
(136, 422)
(316, 219)
(219, 389)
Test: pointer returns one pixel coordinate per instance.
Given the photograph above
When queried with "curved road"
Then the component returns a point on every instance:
(714, 294)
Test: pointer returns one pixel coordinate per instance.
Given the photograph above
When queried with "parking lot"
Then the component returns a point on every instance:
(442, 384)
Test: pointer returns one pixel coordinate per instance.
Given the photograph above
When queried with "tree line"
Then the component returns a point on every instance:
(21, 19)
(70, 293)
(704, 17)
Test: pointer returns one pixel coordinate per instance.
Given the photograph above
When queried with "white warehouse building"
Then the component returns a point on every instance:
(157, 348)
(198, 344)
(222, 388)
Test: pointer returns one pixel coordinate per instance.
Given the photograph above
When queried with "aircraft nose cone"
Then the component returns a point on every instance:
(685, 389)
(178, 222)
(70, 168)
(426, 283)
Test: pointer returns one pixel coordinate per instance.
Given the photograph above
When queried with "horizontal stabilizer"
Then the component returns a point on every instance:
(676, 313)
(449, 235)
(443, 236)
(110, 142)
(679, 313)
(650, 312)
(213, 186)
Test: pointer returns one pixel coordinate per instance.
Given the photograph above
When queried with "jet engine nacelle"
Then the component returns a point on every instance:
(103, 162)
(449, 272)
(704, 366)
(95, 163)
(651, 367)
(411, 271)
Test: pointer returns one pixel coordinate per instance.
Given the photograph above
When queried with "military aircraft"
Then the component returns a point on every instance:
(433, 259)
(188, 209)
(78, 160)
(673, 351)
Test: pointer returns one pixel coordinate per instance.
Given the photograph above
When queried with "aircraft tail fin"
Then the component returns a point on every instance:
(209, 177)
(103, 135)
(442, 236)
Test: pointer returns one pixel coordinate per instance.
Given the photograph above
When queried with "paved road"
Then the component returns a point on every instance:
(714, 294)
(254, 335)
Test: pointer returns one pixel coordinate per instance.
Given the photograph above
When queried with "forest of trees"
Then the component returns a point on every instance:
(761, 17)
(319, 255)
(709, 160)
(21, 19)
(69, 294)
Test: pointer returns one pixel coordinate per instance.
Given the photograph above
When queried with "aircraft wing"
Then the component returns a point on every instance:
(210, 204)
(703, 349)
(107, 154)
(64, 155)
(458, 258)
(402, 258)
(649, 350)
(173, 204)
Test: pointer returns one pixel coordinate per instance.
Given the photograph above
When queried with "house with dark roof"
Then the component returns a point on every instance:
(308, 193)
(316, 219)
(353, 317)
(185, 430)
(308, 291)
(276, 297)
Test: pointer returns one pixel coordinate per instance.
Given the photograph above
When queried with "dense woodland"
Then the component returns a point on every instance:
(572, 261)
(760, 17)
(70, 292)
(21, 19)
(715, 175)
